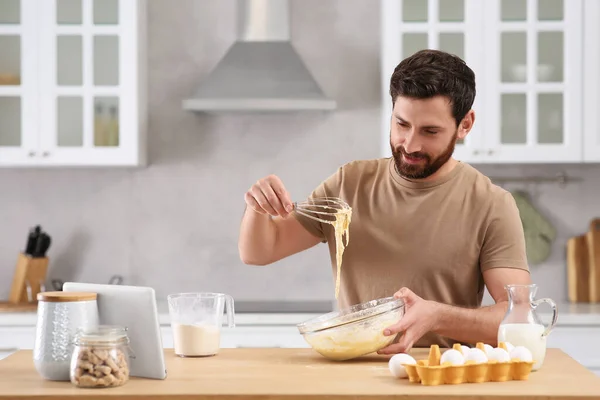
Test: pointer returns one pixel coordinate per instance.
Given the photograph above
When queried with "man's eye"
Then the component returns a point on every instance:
(431, 132)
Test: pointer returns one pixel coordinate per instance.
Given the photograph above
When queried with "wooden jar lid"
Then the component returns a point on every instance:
(58, 297)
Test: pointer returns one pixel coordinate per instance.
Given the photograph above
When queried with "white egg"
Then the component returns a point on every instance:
(396, 367)
(488, 348)
(522, 353)
(509, 347)
(453, 357)
(476, 355)
(465, 349)
(498, 354)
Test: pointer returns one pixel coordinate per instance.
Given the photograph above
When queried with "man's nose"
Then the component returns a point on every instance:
(411, 142)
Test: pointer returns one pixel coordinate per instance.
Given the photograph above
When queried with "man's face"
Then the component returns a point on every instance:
(423, 134)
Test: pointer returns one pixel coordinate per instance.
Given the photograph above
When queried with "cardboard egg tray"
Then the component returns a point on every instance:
(430, 372)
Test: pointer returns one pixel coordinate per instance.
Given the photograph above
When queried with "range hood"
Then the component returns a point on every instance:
(261, 71)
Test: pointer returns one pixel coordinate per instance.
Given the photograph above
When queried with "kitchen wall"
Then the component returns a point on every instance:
(174, 224)
(569, 208)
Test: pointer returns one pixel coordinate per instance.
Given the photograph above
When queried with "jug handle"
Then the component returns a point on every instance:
(536, 303)
(230, 311)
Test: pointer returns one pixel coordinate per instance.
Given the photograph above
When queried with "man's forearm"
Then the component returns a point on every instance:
(258, 234)
(470, 325)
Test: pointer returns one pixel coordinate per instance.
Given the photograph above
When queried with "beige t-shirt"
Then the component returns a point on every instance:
(433, 237)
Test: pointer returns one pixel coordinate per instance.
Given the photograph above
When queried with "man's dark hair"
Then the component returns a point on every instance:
(429, 73)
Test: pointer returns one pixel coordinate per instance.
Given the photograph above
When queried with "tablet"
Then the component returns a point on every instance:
(133, 307)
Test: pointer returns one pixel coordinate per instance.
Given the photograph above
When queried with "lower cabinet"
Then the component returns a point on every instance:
(13, 338)
(6, 352)
(251, 336)
(578, 342)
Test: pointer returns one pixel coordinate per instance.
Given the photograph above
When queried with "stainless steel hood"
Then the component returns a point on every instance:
(261, 71)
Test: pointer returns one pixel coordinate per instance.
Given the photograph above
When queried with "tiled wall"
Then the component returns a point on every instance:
(174, 225)
(568, 208)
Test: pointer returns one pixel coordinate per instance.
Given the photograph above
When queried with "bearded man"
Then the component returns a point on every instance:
(425, 227)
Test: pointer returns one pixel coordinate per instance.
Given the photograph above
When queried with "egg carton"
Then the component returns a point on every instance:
(430, 372)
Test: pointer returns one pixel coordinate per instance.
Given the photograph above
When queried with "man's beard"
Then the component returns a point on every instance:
(422, 171)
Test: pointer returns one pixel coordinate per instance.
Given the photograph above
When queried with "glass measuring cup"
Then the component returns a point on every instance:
(196, 320)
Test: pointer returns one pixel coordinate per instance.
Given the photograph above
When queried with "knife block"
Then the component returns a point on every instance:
(30, 275)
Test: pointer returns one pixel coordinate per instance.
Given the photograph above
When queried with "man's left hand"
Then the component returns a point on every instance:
(420, 317)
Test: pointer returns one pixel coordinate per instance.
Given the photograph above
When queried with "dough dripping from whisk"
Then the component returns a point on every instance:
(333, 211)
(340, 227)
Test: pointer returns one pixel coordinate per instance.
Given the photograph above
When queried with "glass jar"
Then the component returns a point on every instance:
(59, 315)
(100, 357)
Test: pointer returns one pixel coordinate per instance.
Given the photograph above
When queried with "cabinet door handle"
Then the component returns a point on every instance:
(45, 154)
(490, 152)
(475, 152)
(31, 154)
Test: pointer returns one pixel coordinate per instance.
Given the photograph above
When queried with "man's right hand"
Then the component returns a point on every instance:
(269, 196)
(264, 240)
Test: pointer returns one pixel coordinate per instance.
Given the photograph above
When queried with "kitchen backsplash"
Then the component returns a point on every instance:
(174, 224)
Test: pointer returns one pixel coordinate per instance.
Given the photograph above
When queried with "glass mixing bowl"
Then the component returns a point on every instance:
(354, 331)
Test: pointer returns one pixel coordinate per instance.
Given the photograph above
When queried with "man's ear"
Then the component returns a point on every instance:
(466, 124)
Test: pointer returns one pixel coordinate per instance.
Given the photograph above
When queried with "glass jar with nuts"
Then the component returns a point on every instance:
(100, 357)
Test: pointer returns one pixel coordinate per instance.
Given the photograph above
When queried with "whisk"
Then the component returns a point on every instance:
(322, 209)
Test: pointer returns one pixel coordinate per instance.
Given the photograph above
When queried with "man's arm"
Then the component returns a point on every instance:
(461, 324)
(481, 324)
(265, 239)
(271, 229)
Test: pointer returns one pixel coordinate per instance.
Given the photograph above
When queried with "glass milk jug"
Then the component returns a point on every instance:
(521, 325)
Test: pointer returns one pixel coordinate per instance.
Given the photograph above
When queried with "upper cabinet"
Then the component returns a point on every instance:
(530, 72)
(72, 83)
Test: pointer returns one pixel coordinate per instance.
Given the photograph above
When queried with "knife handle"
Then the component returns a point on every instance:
(30, 246)
(41, 245)
(46, 244)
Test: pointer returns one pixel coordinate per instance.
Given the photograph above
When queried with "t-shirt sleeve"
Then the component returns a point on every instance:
(330, 187)
(504, 240)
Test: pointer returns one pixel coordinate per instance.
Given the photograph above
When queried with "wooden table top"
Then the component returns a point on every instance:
(297, 374)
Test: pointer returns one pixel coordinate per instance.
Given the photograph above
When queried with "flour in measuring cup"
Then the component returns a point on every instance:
(196, 340)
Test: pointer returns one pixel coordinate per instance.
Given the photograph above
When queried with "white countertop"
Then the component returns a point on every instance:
(568, 315)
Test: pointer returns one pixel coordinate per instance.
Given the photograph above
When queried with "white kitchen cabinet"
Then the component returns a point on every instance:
(530, 72)
(72, 83)
(591, 87)
(264, 336)
(579, 342)
(13, 338)
(16, 337)
(6, 352)
(251, 337)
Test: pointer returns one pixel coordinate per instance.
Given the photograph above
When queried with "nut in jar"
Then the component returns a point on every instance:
(100, 357)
